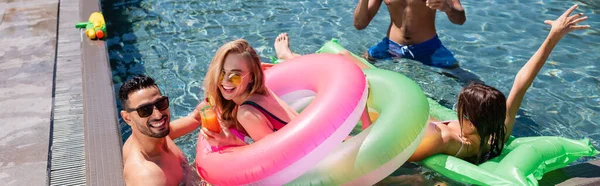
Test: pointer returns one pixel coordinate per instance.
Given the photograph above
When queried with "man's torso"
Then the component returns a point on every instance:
(168, 163)
(411, 21)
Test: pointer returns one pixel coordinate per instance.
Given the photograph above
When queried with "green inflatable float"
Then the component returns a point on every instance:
(383, 147)
(379, 150)
(522, 162)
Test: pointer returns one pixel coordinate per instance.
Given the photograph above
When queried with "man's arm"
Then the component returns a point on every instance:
(456, 14)
(452, 8)
(364, 13)
(186, 124)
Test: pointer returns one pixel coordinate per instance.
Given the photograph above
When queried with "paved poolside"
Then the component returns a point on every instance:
(47, 69)
(27, 56)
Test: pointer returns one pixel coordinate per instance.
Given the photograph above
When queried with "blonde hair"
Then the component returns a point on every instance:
(227, 109)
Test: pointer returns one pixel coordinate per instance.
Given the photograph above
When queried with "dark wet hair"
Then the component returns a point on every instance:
(485, 107)
(136, 83)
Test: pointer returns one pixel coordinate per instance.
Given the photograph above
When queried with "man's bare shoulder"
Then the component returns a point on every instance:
(127, 148)
(139, 171)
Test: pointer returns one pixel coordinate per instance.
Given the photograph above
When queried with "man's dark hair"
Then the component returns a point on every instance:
(136, 83)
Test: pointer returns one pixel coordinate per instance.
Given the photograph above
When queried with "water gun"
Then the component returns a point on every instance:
(95, 27)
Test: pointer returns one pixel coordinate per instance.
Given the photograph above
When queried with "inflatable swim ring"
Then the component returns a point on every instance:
(383, 147)
(286, 154)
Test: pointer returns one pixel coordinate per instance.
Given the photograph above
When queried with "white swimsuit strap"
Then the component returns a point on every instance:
(462, 143)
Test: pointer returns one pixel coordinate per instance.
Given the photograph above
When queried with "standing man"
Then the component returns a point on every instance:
(412, 33)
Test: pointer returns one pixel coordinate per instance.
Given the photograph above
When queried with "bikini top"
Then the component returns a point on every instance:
(275, 121)
(462, 143)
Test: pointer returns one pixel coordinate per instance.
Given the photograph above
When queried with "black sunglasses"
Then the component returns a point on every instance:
(146, 110)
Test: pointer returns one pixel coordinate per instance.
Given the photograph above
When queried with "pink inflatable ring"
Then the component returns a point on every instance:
(340, 92)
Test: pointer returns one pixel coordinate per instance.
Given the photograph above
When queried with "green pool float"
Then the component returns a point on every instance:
(523, 161)
(383, 147)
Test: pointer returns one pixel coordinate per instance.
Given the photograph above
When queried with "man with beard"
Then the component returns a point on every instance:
(149, 155)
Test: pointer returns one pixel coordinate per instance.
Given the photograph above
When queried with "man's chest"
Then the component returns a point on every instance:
(403, 3)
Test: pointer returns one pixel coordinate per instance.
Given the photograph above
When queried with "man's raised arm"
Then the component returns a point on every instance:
(364, 13)
(452, 8)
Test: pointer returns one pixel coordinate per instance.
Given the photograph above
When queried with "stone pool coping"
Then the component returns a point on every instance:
(104, 163)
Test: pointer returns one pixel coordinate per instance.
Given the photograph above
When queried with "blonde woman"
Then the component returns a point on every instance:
(247, 109)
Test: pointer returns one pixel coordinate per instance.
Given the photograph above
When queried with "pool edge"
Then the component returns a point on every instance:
(581, 174)
(104, 163)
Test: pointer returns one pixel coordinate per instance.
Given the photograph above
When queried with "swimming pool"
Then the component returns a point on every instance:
(174, 40)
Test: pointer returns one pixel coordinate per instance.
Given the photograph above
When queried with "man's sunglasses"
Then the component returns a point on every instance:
(234, 77)
(146, 110)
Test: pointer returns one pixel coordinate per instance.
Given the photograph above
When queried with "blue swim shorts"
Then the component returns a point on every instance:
(430, 52)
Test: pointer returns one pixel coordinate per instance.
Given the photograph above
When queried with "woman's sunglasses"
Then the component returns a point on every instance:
(234, 77)
(146, 110)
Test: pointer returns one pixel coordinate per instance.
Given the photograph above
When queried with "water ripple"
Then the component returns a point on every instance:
(174, 41)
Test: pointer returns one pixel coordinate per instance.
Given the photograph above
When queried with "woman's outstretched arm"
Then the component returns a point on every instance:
(561, 26)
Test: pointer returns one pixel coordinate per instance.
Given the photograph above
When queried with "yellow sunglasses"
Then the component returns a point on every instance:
(234, 77)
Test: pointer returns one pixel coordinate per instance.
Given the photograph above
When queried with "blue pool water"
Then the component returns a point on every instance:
(173, 41)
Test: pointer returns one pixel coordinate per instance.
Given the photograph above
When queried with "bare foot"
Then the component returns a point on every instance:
(282, 47)
(440, 184)
(368, 57)
(345, 53)
(353, 59)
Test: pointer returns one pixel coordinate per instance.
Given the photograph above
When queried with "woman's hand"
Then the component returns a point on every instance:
(224, 138)
(566, 23)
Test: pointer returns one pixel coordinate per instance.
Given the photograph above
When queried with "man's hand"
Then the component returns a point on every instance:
(441, 5)
(453, 9)
(197, 112)
(187, 124)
